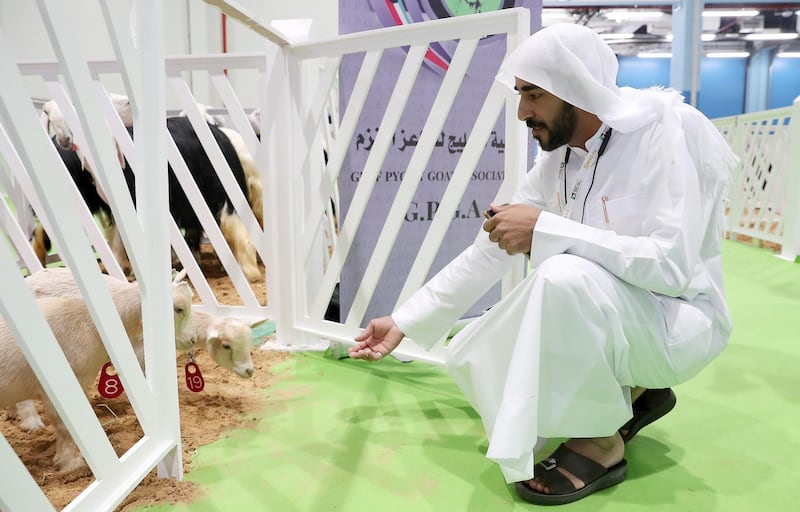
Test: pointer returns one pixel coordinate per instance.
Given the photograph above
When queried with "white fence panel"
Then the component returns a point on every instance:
(306, 284)
(250, 303)
(34, 165)
(766, 184)
(297, 185)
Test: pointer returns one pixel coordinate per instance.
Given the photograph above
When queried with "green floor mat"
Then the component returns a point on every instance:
(344, 435)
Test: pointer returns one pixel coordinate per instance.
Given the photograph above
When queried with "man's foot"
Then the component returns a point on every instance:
(648, 406)
(576, 469)
(605, 451)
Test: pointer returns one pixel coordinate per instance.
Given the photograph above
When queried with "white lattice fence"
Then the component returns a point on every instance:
(36, 172)
(764, 189)
(297, 190)
(249, 304)
(309, 287)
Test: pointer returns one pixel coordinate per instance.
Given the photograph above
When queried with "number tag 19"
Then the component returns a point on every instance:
(194, 379)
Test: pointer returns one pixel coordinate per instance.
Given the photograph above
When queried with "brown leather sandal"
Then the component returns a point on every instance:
(595, 476)
(650, 406)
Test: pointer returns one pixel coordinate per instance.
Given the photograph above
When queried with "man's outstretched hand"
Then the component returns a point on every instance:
(378, 340)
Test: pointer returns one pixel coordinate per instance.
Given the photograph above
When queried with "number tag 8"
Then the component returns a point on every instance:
(109, 386)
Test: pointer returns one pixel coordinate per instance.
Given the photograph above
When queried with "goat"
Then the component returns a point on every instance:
(59, 282)
(53, 119)
(233, 149)
(88, 190)
(205, 111)
(227, 340)
(211, 188)
(254, 189)
(72, 325)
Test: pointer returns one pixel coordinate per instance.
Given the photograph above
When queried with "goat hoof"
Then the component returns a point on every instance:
(31, 424)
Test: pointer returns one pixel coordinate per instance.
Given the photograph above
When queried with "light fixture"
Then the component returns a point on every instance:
(654, 55)
(730, 13)
(703, 37)
(788, 55)
(771, 36)
(728, 55)
(625, 15)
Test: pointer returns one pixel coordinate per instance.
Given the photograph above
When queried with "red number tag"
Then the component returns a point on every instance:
(109, 386)
(194, 379)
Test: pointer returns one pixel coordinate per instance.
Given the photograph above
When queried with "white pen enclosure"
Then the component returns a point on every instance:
(302, 245)
(764, 191)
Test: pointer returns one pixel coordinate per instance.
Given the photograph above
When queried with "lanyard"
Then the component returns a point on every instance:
(566, 203)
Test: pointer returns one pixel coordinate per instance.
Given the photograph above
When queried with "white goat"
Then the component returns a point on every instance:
(55, 123)
(59, 282)
(227, 340)
(72, 325)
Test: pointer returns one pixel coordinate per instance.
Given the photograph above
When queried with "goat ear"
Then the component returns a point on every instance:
(186, 285)
(212, 333)
(177, 277)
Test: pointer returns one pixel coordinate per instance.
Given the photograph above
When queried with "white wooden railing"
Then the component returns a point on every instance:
(300, 275)
(36, 172)
(764, 192)
(312, 286)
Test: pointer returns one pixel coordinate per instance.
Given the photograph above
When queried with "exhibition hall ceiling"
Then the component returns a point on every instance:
(649, 28)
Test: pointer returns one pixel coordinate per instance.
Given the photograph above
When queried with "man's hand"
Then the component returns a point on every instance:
(511, 227)
(378, 340)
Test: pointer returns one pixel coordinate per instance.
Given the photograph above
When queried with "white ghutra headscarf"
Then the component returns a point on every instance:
(573, 63)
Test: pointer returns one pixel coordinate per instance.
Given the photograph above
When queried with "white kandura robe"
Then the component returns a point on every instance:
(631, 297)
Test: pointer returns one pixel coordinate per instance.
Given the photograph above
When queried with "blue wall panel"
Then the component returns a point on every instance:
(641, 73)
(722, 81)
(784, 82)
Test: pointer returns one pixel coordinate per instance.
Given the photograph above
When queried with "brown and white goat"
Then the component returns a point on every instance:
(73, 328)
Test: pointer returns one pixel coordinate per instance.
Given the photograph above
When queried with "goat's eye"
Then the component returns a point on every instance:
(226, 346)
(179, 311)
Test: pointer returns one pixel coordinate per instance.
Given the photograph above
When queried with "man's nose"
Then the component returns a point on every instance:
(523, 112)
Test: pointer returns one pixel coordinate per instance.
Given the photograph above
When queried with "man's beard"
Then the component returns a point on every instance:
(562, 128)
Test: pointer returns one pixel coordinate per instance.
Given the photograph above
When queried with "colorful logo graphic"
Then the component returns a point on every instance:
(402, 12)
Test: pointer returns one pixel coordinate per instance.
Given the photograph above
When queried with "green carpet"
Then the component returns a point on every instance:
(342, 435)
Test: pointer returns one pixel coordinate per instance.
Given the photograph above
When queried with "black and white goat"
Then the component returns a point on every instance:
(89, 192)
(254, 188)
(202, 170)
(212, 190)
